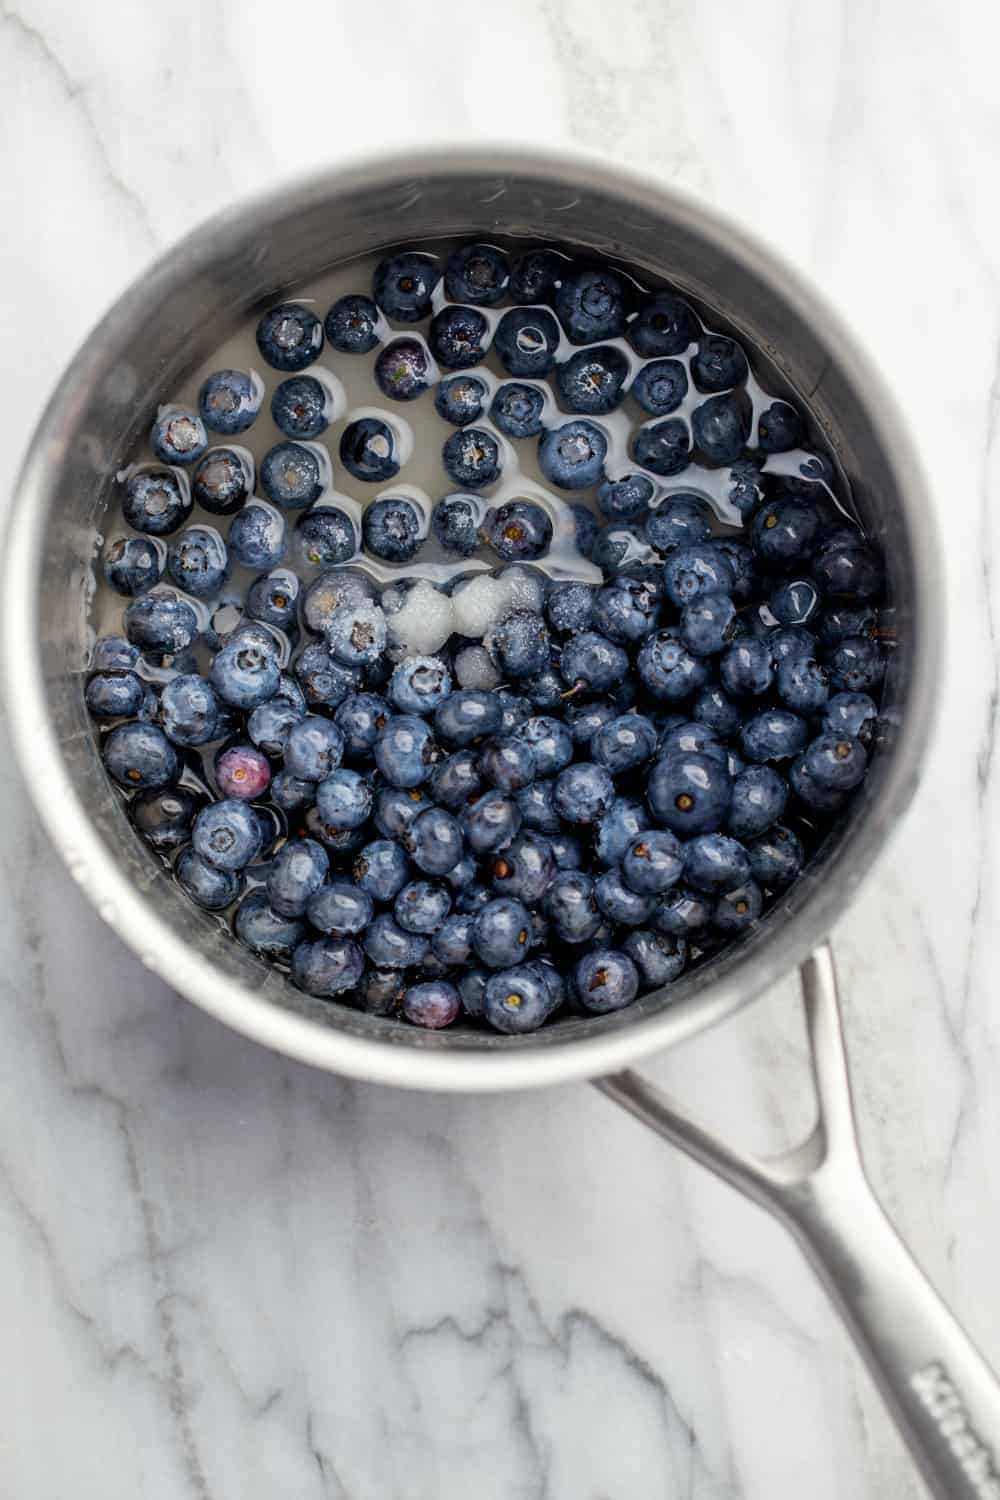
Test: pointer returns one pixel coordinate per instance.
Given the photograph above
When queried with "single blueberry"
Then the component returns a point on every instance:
(658, 957)
(525, 868)
(617, 547)
(325, 537)
(114, 695)
(198, 561)
(694, 569)
(161, 622)
(570, 607)
(689, 793)
(545, 689)
(848, 568)
(223, 481)
(467, 716)
(678, 521)
(663, 447)
(133, 564)
(592, 663)
(517, 409)
(156, 501)
(381, 870)
(456, 780)
(507, 763)
(713, 862)
(682, 912)
(549, 741)
(713, 708)
(660, 386)
(178, 436)
(745, 668)
(368, 450)
(835, 762)
(461, 399)
(776, 858)
(228, 834)
(289, 792)
(624, 744)
(853, 715)
(626, 499)
(707, 623)
(419, 684)
(501, 933)
(164, 815)
(402, 286)
(393, 528)
(618, 902)
(314, 748)
(591, 304)
(294, 875)
(291, 475)
(189, 710)
(382, 992)
(289, 337)
(340, 909)
(352, 325)
(113, 653)
(819, 799)
(477, 274)
(570, 906)
(775, 734)
(243, 675)
(229, 400)
(856, 666)
(735, 911)
(667, 669)
(402, 370)
(301, 407)
(452, 942)
(718, 363)
(526, 341)
(520, 531)
(620, 825)
(520, 643)
(803, 685)
(471, 457)
(535, 274)
(327, 967)
(720, 426)
(139, 756)
(519, 999)
(592, 381)
(433, 1003)
(490, 822)
(459, 337)
(794, 602)
(605, 980)
(583, 793)
(455, 522)
(789, 640)
(779, 428)
(210, 888)
(405, 752)
(257, 536)
(782, 533)
(836, 624)
(572, 456)
(759, 797)
(663, 325)
(421, 906)
(434, 841)
(344, 798)
(536, 807)
(653, 862)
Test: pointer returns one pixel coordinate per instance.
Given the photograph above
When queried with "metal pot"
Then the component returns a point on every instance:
(940, 1391)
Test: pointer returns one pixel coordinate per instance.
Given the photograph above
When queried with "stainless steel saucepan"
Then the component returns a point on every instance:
(939, 1390)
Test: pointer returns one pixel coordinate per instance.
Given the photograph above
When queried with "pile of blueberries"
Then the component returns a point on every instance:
(652, 761)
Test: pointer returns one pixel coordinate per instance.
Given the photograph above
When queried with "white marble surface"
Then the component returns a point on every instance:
(224, 1275)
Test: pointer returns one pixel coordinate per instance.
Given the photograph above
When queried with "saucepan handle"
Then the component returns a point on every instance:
(941, 1393)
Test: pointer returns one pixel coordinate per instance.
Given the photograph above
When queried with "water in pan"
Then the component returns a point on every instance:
(352, 393)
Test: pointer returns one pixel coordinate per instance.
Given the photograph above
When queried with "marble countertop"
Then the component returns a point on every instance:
(222, 1274)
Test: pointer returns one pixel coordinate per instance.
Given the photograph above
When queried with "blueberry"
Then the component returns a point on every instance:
(405, 751)
(433, 1003)
(368, 450)
(229, 401)
(803, 685)
(402, 370)
(478, 274)
(156, 501)
(344, 798)
(356, 634)
(114, 695)
(161, 622)
(682, 912)
(243, 675)
(289, 337)
(359, 719)
(455, 522)
(314, 748)
(627, 609)
(461, 399)
(393, 528)
(570, 607)
(688, 735)
(459, 337)
(746, 487)
(658, 956)
(774, 734)
(714, 862)
(848, 568)
(592, 381)
(776, 858)
(228, 834)
(382, 992)
(198, 561)
(501, 933)
(507, 763)
(583, 793)
(534, 276)
(619, 826)
(856, 665)
(618, 902)
(549, 741)
(517, 409)
(327, 967)
(624, 744)
(525, 868)
(467, 716)
(520, 999)
(339, 909)
(794, 602)
(689, 793)
(626, 499)
(339, 842)
(617, 547)
(419, 685)
(678, 521)
(572, 456)
(113, 653)
(536, 807)
(210, 888)
(434, 841)
(707, 623)
(720, 426)
(782, 533)
(421, 906)
(390, 946)
(585, 528)
(257, 536)
(605, 980)
(519, 531)
(653, 862)
(591, 304)
(490, 822)
(456, 780)
(289, 792)
(301, 407)
(835, 762)
(779, 428)
(745, 668)
(820, 799)
(352, 325)
(294, 875)
(737, 910)
(591, 662)
(667, 668)
(790, 640)
(325, 537)
(290, 475)
(836, 624)
(570, 906)
(718, 363)
(381, 870)
(189, 710)
(164, 816)
(514, 709)
(663, 325)
(759, 797)
(471, 457)
(694, 569)
(178, 436)
(662, 447)
(133, 564)
(402, 286)
(520, 643)
(713, 708)
(452, 942)
(660, 386)
(851, 715)
(526, 341)
(544, 689)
